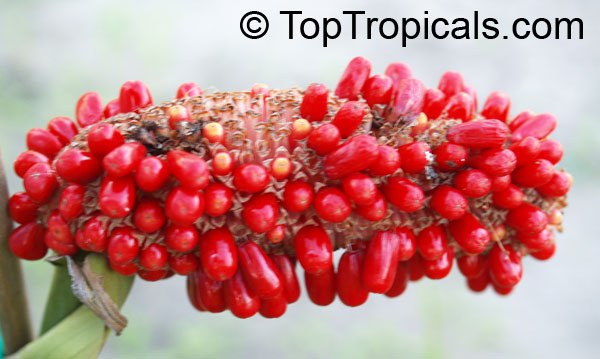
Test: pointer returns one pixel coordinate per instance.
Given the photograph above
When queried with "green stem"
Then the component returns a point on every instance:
(61, 302)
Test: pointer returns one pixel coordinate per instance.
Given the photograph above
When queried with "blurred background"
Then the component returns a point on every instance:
(51, 52)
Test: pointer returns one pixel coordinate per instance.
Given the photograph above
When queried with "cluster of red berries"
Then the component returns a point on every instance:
(232, 189)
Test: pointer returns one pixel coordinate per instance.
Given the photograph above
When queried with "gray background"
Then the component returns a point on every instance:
(51, 52)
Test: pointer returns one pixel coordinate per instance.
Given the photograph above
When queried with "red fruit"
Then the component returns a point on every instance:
(546, 253)
(324, 139)
(354, 155)
(277, 234)
(377, 90)
(451, 83)
(479, 134)
(154, 275)
(332, 204)
(495, 163)
(432, 242)
(478, 284)
(149, 215)
(222, 164)
(472, 266)
(534, 174)
(63, 128)
(434, 103)
(551, 150)
(520, 119)
(527, 150)
(387, 162)
(291, 287)
(181, 238)
(558, 186)
(190, 170)
(259, 89)
(127, 269)
(218, 254)
(375, 211)
(44, 142)
(154, 257)
(360, 188)
(212, 295)
(398, 71)
(112, 108)
(470, 234)
(415, 268)
(297, 196)
(314, 103)
(124, 159)
(527, 218)
(539, 126)
(184, 206)
(510, 198)
(218, 198)
(450, 157)
(27, 241)
(40, 182)
(473, 183)
(60, 248)
(76, 166)
(381, 260)
(321, 286)
(300, 129)
(500, 183)
(250, 178)
(348, 282)
(353, 79)
(441, 267)
(213, 132)
(133, 96)
(178, 114)
(460, 107)
(189, 89)
(471, 92)
(152, 174)
(22, 209)
(259, 271)
(349, 117)
(184, 264)
(407, 101)
(407, 243)
(89, 109)
(496, 106)
(117, 197)
(123, 246)
(400, 281)
(505, 266)
(404, 194)
(103, 138)
(414, 157)
(538, 241)
(449, 202)
(71, 202)
(27, 159)
(273, 307)
(93, 236)
(261, 212)
(501, 290)
(314, 249)
(281, 168)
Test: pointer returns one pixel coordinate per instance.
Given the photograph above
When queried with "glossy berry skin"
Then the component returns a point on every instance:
(546, 253)
(178, 114)
(473, 183)
(300, 129)
(27, 159)
(360, 188)
(387, 162)
(273, 307)
(184, 264)
(313, 248)
(354, 155)
(495, 163)
(276, 234)
(153, 275)
(332, 204)
(124, 159)
(510, 198)
(480, 283)
(189, 89)
(123, 246)
(281, 168)
(261, 212)
(415, 268)
(407, 101)
(353, 79)
(434, 103)
(449, 202)
(152, 174)
(314, 103)
(527, 150)
(432, 242)
(472, 266)
(190, 170)
(558, 186)
(103, 138)
(77, 166)
(127, 269)
(451, 83)
(218, 198)
(44, 142)
(375, 211)
(112, 108)
(506, 269)
(496, 106)
(460, 107)
(378, 90)
(414, 157)
(534, 174)
(404, 194)
(184, 206)
(149, 215)
(297, 196)
(348, 280)
(324, 139)
(407, 243)
(320, 287)
(349, 117)
(154, 257)
(398, 71)
(93, 236)
(537, 242)
(133, 96)
(88, 109)
(250, 178)
(222, 164)
(441, 267)
(538, 126)
(400, 281)
(22, 209)
(117, 197)
(71, 201)
(181, 238)
(381, 258)
(479, 134)
(291, 287)
(450, 157)
(527, 218)
(208, 293)
(63, 128)
(551, 150)
(500, 183)
(470, 234)
(259, 271)
(520, 119)
(218, 254)
(27, 241)
(40, 182)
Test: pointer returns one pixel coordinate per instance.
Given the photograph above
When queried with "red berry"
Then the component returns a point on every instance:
(261, 212)
(133, 96)
(181, 238)
(441, 267)
(500, 183)
(93, 236)
(40, 182)
(117, 197)
(259, 271)
(415, 268)
(103, 138)
(22, 209)
(377, 90)
(450, 157)
(300, 129)
(404, 194)
(470, 234)
(505, 266)
(496, 106)
(112, 108)
(501, 290)
(214, 132)
(349, 117)
(472, 266)
(460, 107)
(222, 164)
(375, 211)
(449, 202)
(360, 188)
(510, 198)
(324, 139)
(27, 241)
(218, 198)
(332, 204)
(250, 178)
(291, 287)
(152, 174)
(527, 218)
(387, 162)
(381, 260)
(348, 280)
(123, 246)
(273, 307)
(178, 114)
(551, 150)
(313, 248)
(398, 71)
(451, 83)
(211, 294)
(434, 103)
(471, 92)
(44, 142)
(184, 206)
(281, 168)
(189, 89)
(495, 163)
(479, 134)
(473, 183)
(184, 264)
(353, 79)
(354, 155)
(71, 202)
(321, 286)
(538, 241)
(124, 159)
(534, 174)
(277, 234)
(314, 102)
(407, 101)
(27, 159)
(297, 196)
(407, 243)
(432, 242)
(527, 150)
(478, 284)
(414, 157)
(154, 257)
(76, 166)
(190, 170)
(149, 215)
(127, 269)
(520, 119)
(89, 109)
(538, 126)
(218, 253)
(558, 186)
(63, 128)
(546, 253)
